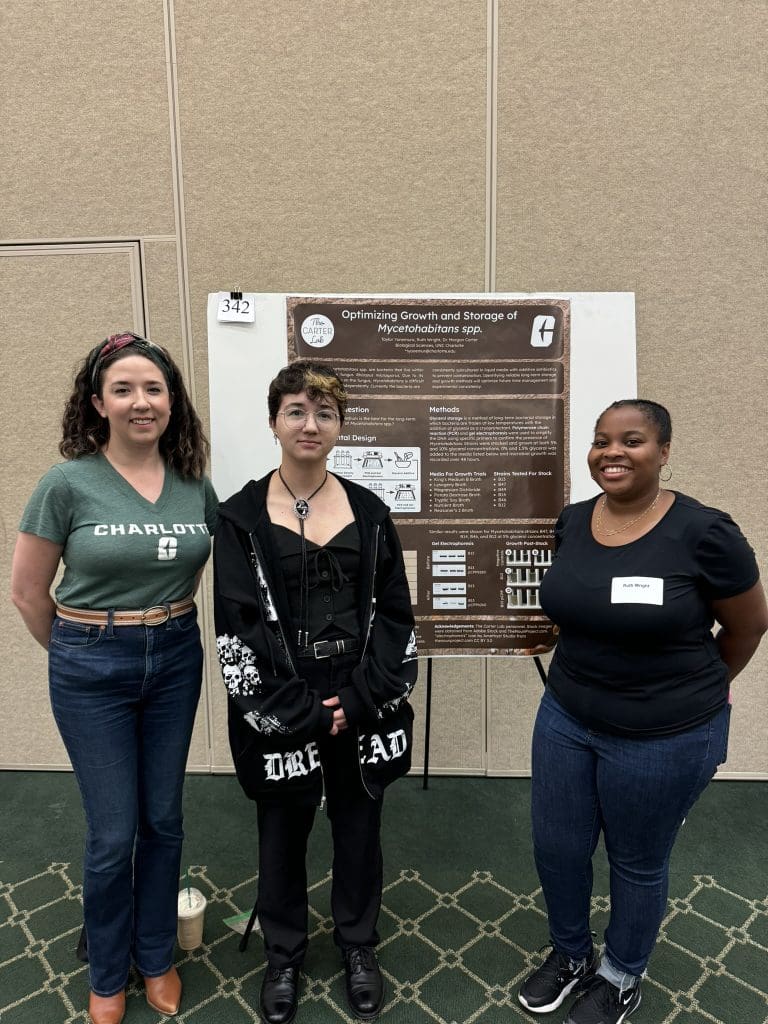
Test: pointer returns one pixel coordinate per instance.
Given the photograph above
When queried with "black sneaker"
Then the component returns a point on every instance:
(546, 988)
(602, 1003)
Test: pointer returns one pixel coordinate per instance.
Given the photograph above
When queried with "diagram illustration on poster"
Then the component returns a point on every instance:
(392, 474)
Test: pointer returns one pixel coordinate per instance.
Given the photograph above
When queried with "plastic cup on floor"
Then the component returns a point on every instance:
(192, 906)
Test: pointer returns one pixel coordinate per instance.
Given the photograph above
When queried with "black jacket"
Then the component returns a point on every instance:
(274, 717)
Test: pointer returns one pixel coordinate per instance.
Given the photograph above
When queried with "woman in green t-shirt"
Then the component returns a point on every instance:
(130, 515)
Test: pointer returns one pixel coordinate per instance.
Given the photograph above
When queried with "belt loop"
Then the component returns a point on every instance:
(110, 622)
(168, 621)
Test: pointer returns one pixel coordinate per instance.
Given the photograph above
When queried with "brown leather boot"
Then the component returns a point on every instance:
(107, 1009)
(164, 992)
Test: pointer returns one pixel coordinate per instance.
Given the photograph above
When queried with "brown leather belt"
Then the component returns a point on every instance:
(154, 616)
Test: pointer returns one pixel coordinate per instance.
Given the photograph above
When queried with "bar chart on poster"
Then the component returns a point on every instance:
(463, 416)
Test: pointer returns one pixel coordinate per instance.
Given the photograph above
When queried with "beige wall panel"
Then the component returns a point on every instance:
(632, 153)
(341, 149)
(631, 148)
(514, 692)
(221, 759)
(62, 306)
(163, 303)
(457, 736)
(719, 454)
(86, 139)
(216, 697)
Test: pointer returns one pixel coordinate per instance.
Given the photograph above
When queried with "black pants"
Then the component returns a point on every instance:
(355, 828)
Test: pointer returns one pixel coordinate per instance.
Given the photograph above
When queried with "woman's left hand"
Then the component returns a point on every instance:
(339, 718)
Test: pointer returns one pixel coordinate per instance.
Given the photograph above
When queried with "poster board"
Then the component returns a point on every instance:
(469, 415)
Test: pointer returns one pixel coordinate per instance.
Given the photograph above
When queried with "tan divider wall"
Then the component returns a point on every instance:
(50, 301)
(450, 145)
(85, 135)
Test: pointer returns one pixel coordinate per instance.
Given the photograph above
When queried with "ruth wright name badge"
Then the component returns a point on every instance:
(637, 590)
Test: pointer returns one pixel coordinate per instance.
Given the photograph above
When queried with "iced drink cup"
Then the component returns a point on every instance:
(191, 917)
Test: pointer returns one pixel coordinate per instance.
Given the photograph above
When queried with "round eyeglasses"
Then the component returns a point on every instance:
(325, 419)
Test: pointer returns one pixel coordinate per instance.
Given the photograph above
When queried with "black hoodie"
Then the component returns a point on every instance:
(274, 717)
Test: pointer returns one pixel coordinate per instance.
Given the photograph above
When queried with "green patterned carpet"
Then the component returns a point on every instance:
(461, 923)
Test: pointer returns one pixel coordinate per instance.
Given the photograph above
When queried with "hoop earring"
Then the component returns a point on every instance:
(276, 440)
(666, 479)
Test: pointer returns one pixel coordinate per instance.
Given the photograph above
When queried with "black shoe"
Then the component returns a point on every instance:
(279, 995)
(546, 988)
(365, 985)
(603, 1003)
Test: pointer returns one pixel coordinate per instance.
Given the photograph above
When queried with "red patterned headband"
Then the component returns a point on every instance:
(115, 342)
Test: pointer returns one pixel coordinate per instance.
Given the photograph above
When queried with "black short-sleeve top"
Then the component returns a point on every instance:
(635, 654)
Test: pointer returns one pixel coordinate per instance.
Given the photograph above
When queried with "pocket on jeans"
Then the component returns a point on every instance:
(184, 623)
(75, 634)
(726, 731)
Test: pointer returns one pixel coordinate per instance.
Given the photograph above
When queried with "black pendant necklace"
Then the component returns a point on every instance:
(301, 506)
(301, 509)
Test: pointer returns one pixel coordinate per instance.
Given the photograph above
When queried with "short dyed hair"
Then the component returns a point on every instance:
(319, 380)
(657, 415)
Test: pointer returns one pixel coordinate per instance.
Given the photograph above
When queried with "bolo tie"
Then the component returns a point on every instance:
(301, 509)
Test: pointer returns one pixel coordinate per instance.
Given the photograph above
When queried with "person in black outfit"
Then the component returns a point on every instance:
(315, 635)
(634, 720)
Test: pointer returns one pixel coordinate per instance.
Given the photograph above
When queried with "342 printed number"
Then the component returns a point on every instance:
(232, 310)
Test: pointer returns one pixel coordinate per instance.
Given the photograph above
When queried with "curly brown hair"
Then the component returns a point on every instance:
(183, 444)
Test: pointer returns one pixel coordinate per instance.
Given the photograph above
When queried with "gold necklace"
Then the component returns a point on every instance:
(626, 526)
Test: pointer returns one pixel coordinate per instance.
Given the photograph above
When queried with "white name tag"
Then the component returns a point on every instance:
(637, 590)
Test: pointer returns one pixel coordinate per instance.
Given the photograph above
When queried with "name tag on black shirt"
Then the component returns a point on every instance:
(637, 590)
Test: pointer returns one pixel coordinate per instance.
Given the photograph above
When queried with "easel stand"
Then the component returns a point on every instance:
(428, 711)
(243, 944)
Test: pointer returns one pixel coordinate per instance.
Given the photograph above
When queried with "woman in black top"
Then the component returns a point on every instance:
(634, 721)
(315, 637)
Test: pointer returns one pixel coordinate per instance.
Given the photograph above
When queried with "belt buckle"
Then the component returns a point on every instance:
(338, 644)
(149, 615)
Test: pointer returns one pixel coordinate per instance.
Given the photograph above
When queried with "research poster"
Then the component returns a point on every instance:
(460, 420)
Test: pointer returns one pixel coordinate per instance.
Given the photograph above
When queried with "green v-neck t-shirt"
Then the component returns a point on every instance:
(119, 550)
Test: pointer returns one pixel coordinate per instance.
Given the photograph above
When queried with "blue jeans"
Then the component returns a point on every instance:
(637, 793)
(124, 699)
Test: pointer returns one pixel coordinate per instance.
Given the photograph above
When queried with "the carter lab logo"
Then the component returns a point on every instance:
(317, 331)
(166, 549)
(543, 331)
